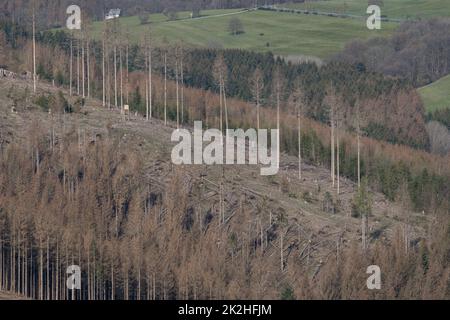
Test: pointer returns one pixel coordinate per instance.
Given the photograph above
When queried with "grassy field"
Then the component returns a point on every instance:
(281, 33)
(436, 95)
(392, 8)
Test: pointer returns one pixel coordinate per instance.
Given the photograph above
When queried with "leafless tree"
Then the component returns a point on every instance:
(331, 103)
(297, 99)
(257, 85)
(220, 75)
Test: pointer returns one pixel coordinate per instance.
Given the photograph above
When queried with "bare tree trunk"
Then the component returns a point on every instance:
(221, 105)
(165, 88)
(146, 92)
(32, 273)
(139, 284)
(299, 145)
(83, 69)
(34, 48)
(103, 71)
(121, 78)
(147, 104)
(25, 269)
(112, 281)
(57, 270)
(41, 271)
(364, 231)
(88, 70)
(333, 171)
(147, 280)
(108, 77)
(89, 274)
(225, 105)
(71, 66)
(358, 138)
(257, 109)
(1, 262)
(48, 268)
(127, 75)
(150, 76)
(281, 252)
(115, 76)
(337, 157)
(182, 87)
(278, 109)
(127, 293)
(177, 92)
(78, 67)
(18, 263)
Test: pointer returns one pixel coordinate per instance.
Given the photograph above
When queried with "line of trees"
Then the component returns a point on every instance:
(417, 51)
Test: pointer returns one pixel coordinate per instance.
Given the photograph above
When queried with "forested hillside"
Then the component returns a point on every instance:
(87, 187)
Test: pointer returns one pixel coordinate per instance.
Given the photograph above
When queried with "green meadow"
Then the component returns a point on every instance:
(280, 33)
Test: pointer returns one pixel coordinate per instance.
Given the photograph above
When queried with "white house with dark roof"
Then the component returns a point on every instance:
(113, 14)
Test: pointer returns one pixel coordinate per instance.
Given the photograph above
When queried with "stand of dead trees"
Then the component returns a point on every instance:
(82, 199)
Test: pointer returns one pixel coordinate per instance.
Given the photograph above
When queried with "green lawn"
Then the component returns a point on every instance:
(392, 8)
(436, 95)
(281, 33)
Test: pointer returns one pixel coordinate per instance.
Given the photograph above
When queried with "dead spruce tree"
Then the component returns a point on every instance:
(257, 85)
(297, 101)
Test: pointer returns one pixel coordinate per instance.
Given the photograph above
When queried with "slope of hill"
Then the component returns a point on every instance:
(280, 33)
(266, 224)
(302, 200)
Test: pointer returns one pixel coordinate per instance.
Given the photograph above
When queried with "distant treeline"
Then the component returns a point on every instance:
(418, 51)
